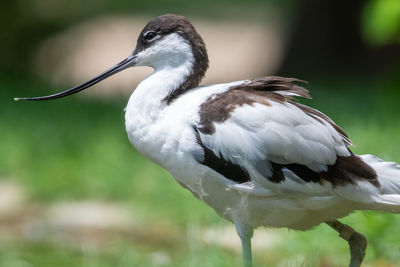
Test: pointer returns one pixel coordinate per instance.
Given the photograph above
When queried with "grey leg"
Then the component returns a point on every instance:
(357, 242)
(245, 233)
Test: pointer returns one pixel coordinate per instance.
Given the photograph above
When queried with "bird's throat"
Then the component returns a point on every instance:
(149, 96)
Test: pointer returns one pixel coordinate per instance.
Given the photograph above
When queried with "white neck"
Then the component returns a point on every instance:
(146, 107)
(172, 60)
(147, 99)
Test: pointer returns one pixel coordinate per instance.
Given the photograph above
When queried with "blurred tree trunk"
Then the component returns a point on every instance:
(326, 39)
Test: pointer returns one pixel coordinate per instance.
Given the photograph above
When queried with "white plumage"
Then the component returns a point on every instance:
(253, 136)
(254, 133)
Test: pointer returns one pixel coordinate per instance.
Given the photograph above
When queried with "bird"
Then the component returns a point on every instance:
(247, 148)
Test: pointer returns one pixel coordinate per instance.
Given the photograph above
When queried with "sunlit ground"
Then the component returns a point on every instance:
(76, 149)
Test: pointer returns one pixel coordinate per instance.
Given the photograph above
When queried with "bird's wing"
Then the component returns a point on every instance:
(253, 132)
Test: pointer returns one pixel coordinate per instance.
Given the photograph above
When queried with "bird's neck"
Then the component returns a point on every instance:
(175, 72)
(153, 94)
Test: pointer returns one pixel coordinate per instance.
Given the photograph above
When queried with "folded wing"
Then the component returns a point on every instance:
(255, 133)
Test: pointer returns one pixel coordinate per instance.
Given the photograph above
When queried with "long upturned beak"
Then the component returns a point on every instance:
(126, 63)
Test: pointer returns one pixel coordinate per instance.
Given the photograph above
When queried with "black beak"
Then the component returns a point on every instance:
(126, 63)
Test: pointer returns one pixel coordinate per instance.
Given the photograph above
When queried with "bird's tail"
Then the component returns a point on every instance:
(388, 174)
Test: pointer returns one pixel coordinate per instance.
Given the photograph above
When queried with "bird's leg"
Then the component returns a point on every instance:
(357, 242)
(246, 252)
(245, 233)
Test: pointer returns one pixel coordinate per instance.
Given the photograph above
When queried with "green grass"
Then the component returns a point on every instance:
(77, 148)
(118, 254)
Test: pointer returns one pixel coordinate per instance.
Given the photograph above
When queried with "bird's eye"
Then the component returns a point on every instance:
(149, 35)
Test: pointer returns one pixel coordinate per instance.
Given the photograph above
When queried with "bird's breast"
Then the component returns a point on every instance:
(146, 136)
(161, 136)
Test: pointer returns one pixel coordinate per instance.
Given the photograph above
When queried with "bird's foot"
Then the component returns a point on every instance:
(358, 245)
(357, 242)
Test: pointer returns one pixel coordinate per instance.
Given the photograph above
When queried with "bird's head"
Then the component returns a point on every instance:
(167, 41)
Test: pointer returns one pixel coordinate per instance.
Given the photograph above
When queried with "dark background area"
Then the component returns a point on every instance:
(325, 36)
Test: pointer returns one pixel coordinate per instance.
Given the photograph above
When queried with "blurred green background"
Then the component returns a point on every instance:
(73, 192)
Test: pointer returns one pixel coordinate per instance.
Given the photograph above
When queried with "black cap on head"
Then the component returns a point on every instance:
(171, 23)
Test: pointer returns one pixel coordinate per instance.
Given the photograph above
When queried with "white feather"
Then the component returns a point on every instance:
(388, 197)
(281, 132)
